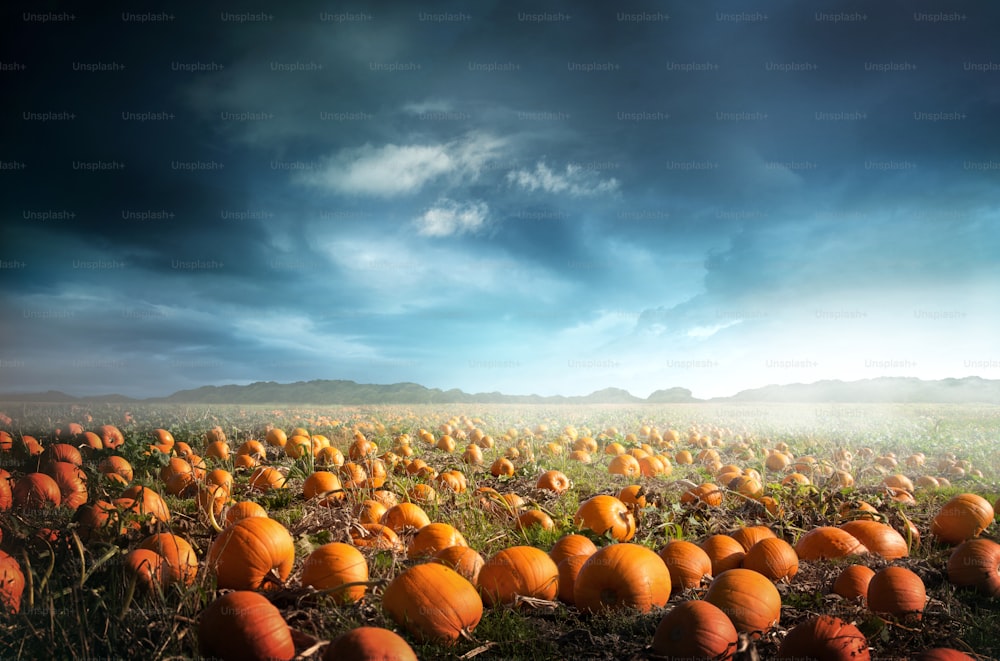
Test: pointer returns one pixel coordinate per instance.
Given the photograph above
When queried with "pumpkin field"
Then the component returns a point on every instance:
(687, 531)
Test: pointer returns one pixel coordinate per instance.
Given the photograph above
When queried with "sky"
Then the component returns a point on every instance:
(524, 197)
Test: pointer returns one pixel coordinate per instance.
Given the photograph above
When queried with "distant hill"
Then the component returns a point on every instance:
(970, 389)
(882, 390)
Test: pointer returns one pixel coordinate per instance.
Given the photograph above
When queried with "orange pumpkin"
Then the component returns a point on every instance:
(606, 515)
(244, 555)
(554, 481)
(535, 518)
(687, 563)
(117, 465)
(824, 637)
(749, 536)
(265, 478)
(244, 625)
(11, 583)
(434, 537)
(976, 563)
(749, 599)
(433, 602)
(322, 483)
(145, 502)
(774, 558)
(897, 591)
(724, 552)
(518, 570)
(364, 643)
(244, 510)
(111, 436)
(878, 538)
(334, 565)
(405, 515)
(375, 536)
(180, 564)
(827, 542)
(569, 569)
(36, 491)
(463, 559)
(852, 582)
(706, 494)
(570, 545)
(695, 630)
(961, 518)
(622, 576)
(72, 483)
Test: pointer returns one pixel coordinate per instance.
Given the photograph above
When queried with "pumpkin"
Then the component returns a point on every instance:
(774, 558)
(570, 545)
(976, 563)
(276, 437)
(174, 466)
(422, 493)
(433, 602)
(36, 491)
(625, 464)
(749, 536)
(321, 482)
(146, 566)
(961, 518)
(432, 538)
(606, 515)
(6, 493)
(554, 481)
(245, 554)
(687, 563)
(11, 583)
(537, 518)
(244, 625)
(369, 511)
(253, 449)
(99, 520)
(749, 599)
(724, 552)
(695, 630)
(518, 570)
(502, 467)
(265, 478)
(180, 564)
(72, 483)
(375, 536)
(633, 495)
(405, 515)
(111, 436)
(463, 559)
(878, 538)
(145, 502)
(824, 637)
(622, 575)
(244, 510)
(369, 644)
(333, 565)
(117, 465)
(569, 570)
(853, 581)
(706, 494)
(62, 452)
(897, 591)
(452, 480)
(825, 542)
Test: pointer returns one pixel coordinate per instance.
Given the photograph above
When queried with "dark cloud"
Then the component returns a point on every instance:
(394, 192)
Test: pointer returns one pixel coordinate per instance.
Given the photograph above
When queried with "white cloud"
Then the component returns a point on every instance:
(448, 217)
(574, 180)
(401, 169)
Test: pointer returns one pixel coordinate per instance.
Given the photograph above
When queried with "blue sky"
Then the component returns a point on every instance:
(500, 196)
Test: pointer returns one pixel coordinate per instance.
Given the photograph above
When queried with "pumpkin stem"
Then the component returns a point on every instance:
(212, 520)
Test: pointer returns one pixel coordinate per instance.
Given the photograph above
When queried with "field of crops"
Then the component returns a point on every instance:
(499, 532)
